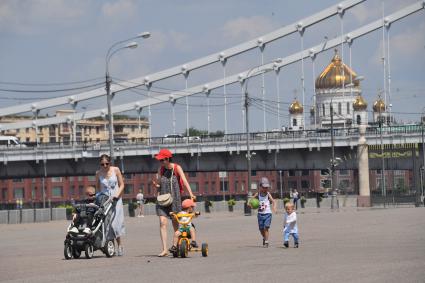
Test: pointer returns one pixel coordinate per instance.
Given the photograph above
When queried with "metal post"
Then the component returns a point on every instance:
(110, 121)
(423, 159)
(333, 199)
(281, 185)
(44, 184)
(384, 192)
(224, 194)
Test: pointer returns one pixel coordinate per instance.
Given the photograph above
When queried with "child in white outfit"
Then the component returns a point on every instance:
(290, 226)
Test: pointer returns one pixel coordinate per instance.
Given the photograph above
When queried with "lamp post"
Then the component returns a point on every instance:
(423, 156)
(333, 181)
(252, 71)
(111, 51)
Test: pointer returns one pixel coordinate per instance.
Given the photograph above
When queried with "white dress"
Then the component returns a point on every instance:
(110, 187)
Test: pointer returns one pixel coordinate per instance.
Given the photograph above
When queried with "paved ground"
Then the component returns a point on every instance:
(373, 245)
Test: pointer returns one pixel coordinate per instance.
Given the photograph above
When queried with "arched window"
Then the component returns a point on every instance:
(339, 108)
(323, 108)
(294, 122)
(348, 107)
(358, 120)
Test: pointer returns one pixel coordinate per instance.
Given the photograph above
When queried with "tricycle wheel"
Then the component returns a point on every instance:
(67, 251)
(204, 249)
(183, 249)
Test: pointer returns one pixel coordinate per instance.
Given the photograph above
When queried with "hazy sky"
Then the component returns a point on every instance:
(58, 41)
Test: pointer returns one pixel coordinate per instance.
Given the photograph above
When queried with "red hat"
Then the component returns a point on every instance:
(188, 203)
(163, 153)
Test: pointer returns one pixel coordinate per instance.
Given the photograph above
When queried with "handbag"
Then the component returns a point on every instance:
(166, 199)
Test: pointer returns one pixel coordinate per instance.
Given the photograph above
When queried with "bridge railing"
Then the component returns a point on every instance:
(288, 135)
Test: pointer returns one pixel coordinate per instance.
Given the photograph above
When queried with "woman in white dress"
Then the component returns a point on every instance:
(109, 180)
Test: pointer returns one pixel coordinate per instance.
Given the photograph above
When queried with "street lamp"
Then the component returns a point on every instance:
(111, 51)
(423, 156)
(253, 71)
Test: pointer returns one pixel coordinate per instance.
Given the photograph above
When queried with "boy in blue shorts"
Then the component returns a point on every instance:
(265, 210)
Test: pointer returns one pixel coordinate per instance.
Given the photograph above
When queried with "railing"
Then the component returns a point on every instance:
(373, 131)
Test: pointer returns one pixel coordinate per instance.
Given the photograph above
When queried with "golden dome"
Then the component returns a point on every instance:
(379, 105)
(359, 104)
(335, 74)
(296, 107)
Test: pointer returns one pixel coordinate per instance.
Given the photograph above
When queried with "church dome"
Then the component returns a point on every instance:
(359, 104)
(379, 105)
(296, 107)
(335, 75)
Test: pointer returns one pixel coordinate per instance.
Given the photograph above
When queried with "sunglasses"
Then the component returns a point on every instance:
(104, 164)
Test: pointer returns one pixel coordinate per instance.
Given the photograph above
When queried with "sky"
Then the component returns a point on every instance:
(47, 43)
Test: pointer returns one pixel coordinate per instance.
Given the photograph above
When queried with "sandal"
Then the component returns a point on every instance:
(163, 254)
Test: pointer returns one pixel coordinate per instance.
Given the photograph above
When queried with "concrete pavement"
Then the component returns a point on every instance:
(351, 245)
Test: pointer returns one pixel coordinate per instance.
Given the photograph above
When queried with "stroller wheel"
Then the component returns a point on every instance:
(109, 248)
(76, 253)
(67, 251)
(89, 251)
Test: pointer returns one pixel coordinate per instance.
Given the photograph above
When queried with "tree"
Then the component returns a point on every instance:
(196, 132)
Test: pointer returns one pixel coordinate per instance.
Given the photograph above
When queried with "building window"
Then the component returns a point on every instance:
(344, 172)
(192, 174)
(128, 189)
(81, 190)
(4, 193)
(18, 193)
(326, 184)
(213, 187)
(324, 172)
(358, 120)
(344, 185)
(206, 187)
(194, 186)
(253, 173)
(292, 185)
(97, 130)
(57, 192)
(33, 192)
(56, 179)
(294, 122)
(323, 109)
(128, 176)
(305, 184)
(224, 186)
(348, 107)
(236, 186)
(305, 173)
(291, 173)
(339, 108)
(91, 178)
(242, 186)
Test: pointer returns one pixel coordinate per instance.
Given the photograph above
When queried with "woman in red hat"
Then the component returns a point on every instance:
(170, 180)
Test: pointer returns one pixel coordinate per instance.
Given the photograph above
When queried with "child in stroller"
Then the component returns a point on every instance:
(83, 215)
(90, 226)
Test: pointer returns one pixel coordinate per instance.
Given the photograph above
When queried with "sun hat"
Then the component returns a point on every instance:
(265, 182)
(188, 203)
(163, 153)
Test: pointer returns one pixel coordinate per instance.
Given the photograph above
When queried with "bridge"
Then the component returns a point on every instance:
(305, 149)
(309, 149)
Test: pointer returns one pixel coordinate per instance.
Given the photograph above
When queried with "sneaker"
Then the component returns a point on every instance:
(120, 251)
(286, 244)
(296, 245)
(87, 231)
(266, 244)
(73, 230)
(194, 244)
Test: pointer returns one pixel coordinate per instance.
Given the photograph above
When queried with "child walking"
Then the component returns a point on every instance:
(290, 226)
(265, 210)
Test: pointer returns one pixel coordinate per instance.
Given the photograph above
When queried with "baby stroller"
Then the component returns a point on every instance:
(96, 239)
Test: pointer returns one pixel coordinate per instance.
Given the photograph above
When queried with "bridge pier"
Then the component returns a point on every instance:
(363, 200)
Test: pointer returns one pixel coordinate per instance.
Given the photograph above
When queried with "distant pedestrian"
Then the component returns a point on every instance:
(265, 210)
(295, 197)
(290, 226)
(140, 203)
